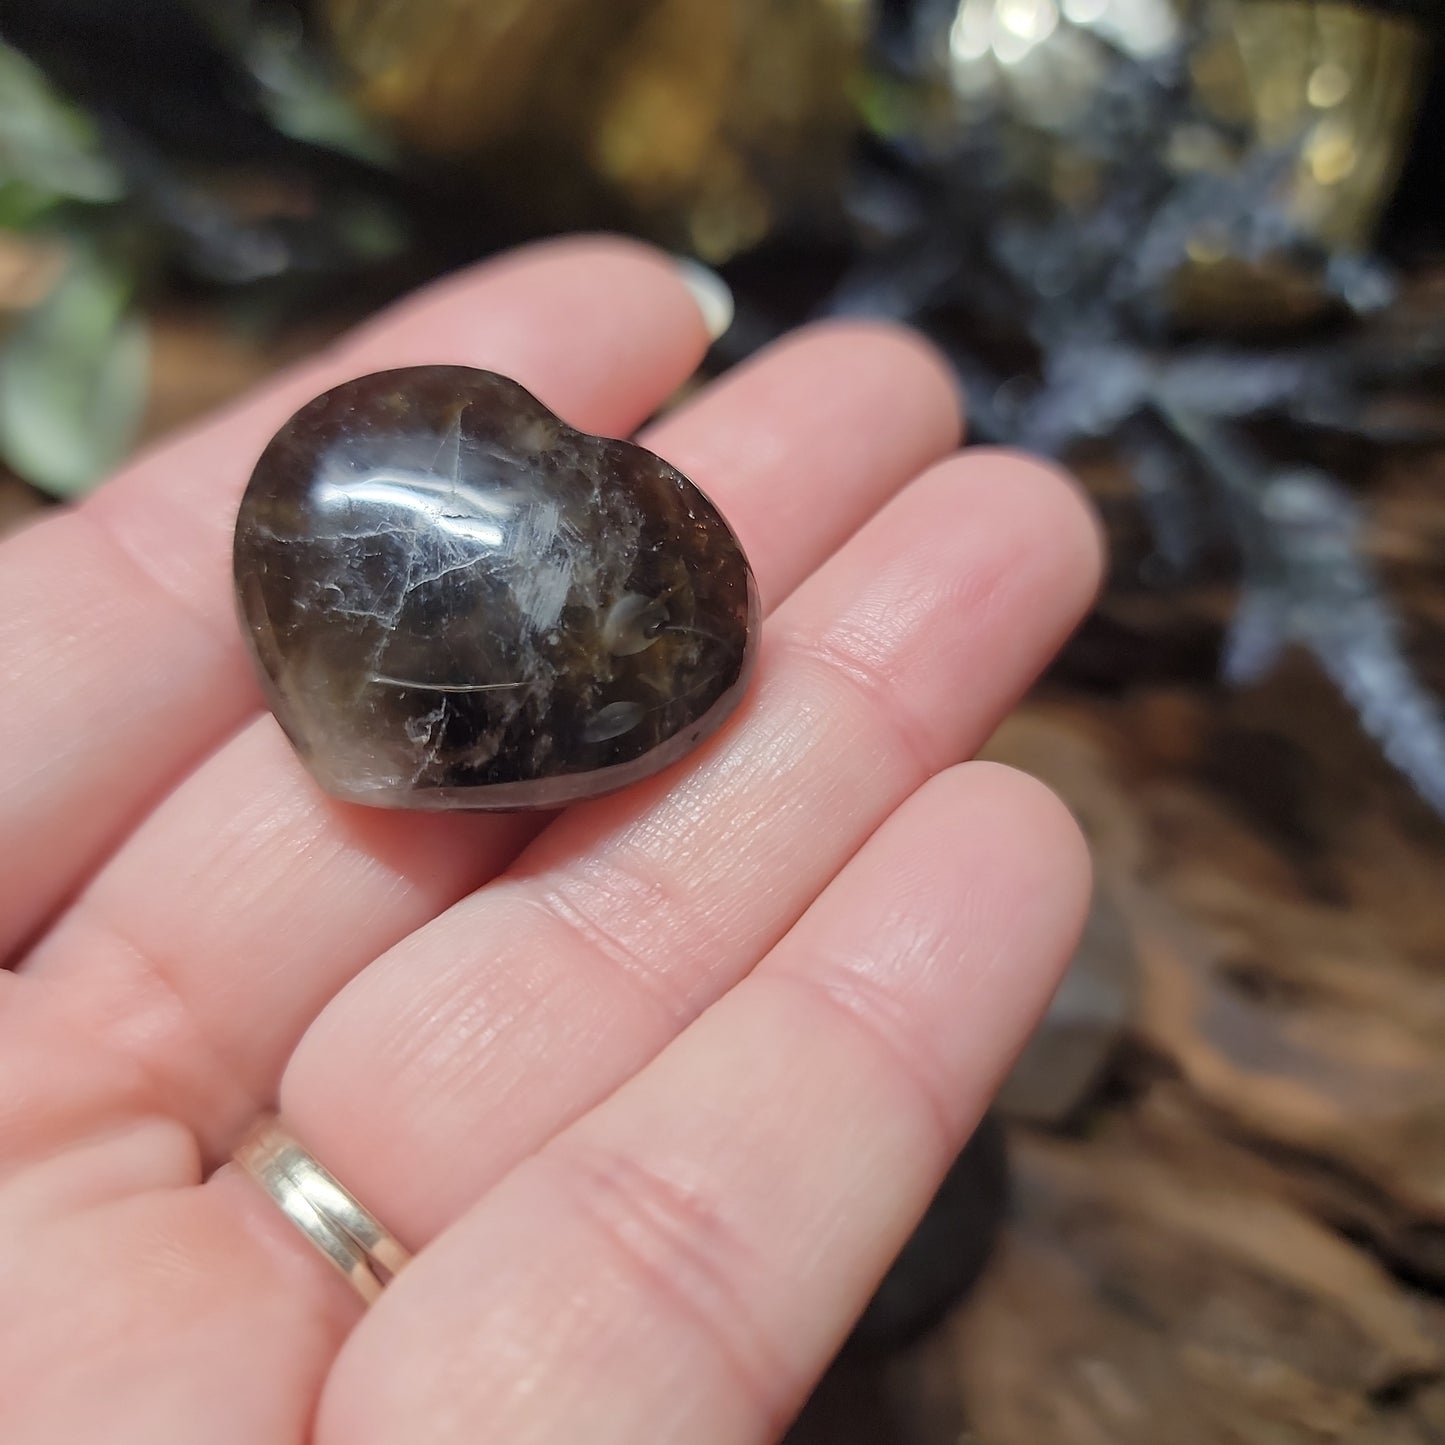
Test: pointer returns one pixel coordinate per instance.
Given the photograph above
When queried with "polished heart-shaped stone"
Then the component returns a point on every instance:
(458, 601)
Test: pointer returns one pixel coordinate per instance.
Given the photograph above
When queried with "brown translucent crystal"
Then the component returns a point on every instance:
(458, 601)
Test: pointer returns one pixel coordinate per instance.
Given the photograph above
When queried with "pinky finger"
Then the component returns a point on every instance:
(681, 1263)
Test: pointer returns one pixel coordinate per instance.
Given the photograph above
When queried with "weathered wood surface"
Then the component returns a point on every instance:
(1239, 1237)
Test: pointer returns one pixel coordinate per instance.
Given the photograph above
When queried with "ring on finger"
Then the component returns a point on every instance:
(322, 1208)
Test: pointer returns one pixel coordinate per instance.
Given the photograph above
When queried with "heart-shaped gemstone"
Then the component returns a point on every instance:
(458, 601)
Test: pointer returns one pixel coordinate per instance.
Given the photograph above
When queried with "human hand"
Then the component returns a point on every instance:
(653, 1092)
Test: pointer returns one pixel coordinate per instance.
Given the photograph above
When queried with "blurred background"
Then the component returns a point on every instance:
(1194, 247)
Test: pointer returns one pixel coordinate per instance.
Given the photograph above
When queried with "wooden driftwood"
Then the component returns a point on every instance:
(1239, 1237)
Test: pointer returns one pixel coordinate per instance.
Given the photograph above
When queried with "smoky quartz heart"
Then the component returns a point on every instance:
(458, 601)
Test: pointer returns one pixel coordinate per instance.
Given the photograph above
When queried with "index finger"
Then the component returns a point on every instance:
(120, 662)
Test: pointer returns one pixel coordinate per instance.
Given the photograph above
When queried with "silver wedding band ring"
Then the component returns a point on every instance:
(326, 1212)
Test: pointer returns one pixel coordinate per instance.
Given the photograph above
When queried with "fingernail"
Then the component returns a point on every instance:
(713, 296)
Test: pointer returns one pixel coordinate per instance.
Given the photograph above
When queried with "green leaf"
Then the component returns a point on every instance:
(297, 89)
(22, 204)
(73, 381)
(47, 145)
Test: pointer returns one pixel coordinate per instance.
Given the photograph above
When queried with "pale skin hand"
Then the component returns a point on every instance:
(654, 1092)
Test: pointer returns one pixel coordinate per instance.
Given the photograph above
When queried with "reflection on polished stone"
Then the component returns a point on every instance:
(457, 601)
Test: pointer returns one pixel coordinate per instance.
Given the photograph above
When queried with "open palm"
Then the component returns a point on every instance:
(653, 1091)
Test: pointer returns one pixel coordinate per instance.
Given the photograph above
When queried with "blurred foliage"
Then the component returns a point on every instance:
(215, 149)
(296, 87)
(73, 366)
(50, 151)
(73, 378)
